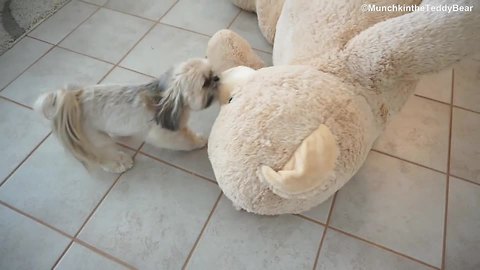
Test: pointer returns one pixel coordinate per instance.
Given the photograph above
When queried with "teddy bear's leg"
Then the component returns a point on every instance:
(248, 5)
(413, 44)
(268, 12)
(226, 49)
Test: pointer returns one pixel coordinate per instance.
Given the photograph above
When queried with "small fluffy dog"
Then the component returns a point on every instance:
(85, 119)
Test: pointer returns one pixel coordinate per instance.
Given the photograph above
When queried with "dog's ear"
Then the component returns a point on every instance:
(169, 113)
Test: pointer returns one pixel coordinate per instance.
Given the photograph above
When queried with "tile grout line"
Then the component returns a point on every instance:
(136, 71)
(15, 102)
(70, 50)
(158, 22)
(90, 216)
(193, 31)
(93, 57)
(234, 18)
(93, 4)
(357, 238)
(432, 99)
(130, 14)
(408, 161)
(426, 167)
(263, 51)
(327, 224)
(310, 219)
(29, 66)
(72, 238)
(133, 149)
(25, 214)
(154, 24)
(465, 109)
(364, 240)
(43, 223)
(464, 179)
(445, 103)
(25, 159)
(83, 54)
(102, 253)
(184, 29)
(178, 167)
(447, 186)
(120, 11)
(383, 247)
(201, 232)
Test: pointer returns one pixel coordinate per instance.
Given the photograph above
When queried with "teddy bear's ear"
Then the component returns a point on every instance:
(230, 80)
(311, 166)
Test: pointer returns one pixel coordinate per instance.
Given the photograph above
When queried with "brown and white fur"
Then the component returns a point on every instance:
(85, 119)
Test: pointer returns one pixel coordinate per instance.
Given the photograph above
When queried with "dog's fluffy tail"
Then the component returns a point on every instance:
(64, 110)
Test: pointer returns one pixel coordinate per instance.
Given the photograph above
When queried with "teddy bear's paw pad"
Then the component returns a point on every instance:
(311, 166)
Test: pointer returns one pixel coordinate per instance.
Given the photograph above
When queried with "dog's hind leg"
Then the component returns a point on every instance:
(183, 139)
(111, 158)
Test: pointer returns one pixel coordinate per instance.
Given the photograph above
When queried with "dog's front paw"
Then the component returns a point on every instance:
(121, 163)
(200, 141)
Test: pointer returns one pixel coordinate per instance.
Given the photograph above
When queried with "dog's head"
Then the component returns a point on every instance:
(197, 83)
(190, 85)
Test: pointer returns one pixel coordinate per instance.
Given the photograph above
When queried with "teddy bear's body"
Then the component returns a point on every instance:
(295, 133)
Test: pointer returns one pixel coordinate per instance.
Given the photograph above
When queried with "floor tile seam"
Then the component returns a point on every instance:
(5, 180)
(185, 170)
(197, 240)
(90, 215)
(324, 233)
(445, 221)
(382, 247)
(448, 104)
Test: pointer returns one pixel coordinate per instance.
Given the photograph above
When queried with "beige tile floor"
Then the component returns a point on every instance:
(413, 205)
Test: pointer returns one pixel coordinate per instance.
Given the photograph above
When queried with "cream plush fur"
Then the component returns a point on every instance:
(295, 133)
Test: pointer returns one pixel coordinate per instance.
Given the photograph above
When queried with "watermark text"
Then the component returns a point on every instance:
(415, 8)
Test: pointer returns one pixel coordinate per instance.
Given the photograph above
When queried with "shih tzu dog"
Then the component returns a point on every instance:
(86, 119)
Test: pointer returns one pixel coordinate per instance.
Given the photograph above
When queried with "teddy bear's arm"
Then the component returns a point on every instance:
(227, 49)
(413, 44)
(311, 166)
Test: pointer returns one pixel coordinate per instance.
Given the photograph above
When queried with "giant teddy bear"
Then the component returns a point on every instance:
(289, 136)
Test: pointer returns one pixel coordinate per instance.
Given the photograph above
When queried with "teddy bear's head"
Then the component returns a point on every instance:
(265, 118)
